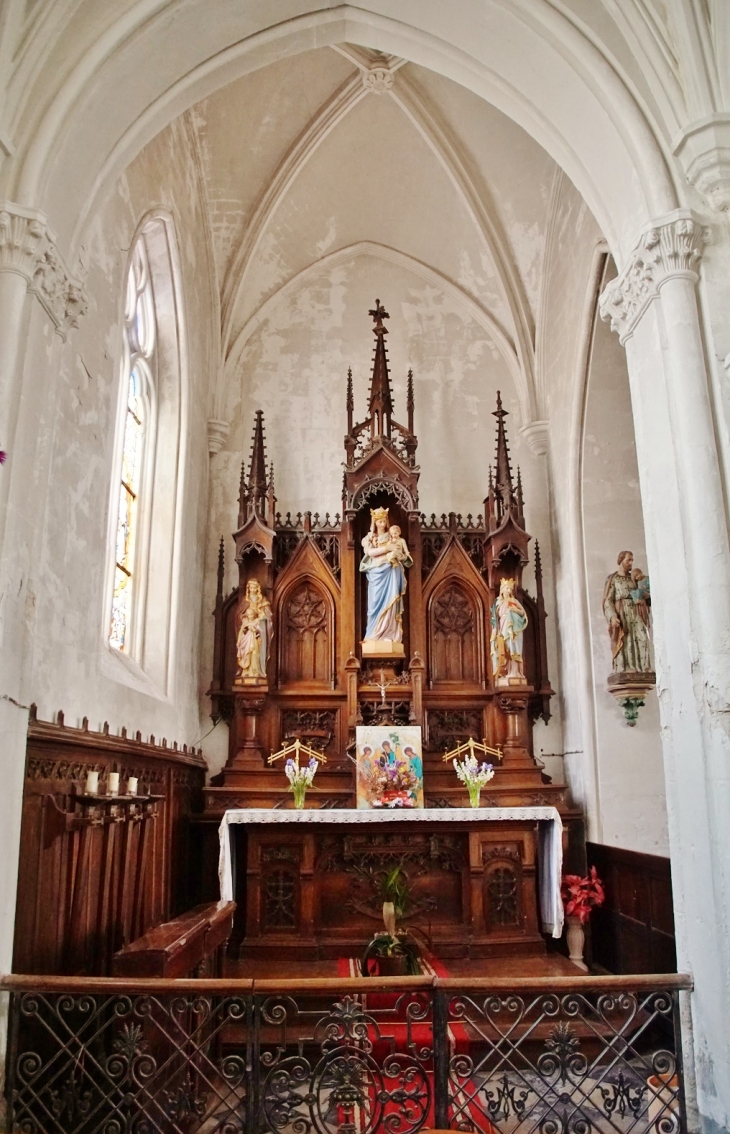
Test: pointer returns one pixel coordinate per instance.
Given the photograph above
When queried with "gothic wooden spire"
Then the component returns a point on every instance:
(255, 495)
(257, 470)
(381, 399)
(503, 472)
(410, 402)
(350, 401)
(221, 568)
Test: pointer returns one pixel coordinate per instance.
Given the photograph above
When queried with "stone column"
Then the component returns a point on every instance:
(30, 265)
(653, 306)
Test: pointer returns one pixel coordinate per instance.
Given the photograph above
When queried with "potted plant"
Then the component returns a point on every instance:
(389, 954)
(394, 952)
(580, 896)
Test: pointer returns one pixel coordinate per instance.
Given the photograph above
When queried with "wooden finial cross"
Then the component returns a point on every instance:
(379, 313)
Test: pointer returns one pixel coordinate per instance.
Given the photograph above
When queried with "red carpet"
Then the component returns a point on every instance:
(392, 1036)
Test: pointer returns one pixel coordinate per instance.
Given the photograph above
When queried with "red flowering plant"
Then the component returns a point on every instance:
(581, 895)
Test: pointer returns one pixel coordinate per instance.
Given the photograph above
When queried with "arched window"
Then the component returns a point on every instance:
(138, 357)
(146, 491)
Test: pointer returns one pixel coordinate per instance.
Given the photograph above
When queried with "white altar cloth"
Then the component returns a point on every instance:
(550, 849)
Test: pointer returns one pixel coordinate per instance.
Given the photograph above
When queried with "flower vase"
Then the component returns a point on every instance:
(299, 791)
(475, 790)
(389, 917)
(576, 938)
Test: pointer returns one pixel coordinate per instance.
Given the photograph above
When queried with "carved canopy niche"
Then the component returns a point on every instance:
(306, 634)
(454, 622)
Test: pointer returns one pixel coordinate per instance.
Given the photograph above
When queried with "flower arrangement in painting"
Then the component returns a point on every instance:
(474, 775)
(300, 778)
(394, 785)
(581, 895)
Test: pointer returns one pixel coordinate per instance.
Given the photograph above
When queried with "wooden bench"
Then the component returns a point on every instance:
(193, 944)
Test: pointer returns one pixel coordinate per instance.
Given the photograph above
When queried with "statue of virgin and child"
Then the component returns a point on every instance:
(385, 560)
(254, 635)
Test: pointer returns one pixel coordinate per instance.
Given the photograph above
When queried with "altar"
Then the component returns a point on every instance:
(485, 881)
(380, 640)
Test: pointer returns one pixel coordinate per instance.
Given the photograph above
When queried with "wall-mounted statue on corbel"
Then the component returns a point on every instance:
(626, 607)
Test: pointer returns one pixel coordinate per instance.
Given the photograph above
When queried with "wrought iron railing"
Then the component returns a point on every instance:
(592, 1055)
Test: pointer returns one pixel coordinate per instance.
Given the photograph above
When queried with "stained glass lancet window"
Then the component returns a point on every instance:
(138, 364)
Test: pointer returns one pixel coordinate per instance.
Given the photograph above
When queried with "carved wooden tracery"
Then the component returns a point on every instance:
(454, 636)
(305, 635)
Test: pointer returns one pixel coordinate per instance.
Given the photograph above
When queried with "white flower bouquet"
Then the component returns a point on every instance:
(474, 775)
(300, 778)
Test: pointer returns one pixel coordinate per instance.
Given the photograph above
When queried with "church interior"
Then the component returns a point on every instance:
(364, 566)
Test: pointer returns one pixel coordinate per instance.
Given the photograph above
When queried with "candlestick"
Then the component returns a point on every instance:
(113, 783)
(132, 784)
(92, 783)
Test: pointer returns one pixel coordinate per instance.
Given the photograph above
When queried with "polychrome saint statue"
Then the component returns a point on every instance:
(385, 559)
(626, 598)
(509, 622)
(254, 634)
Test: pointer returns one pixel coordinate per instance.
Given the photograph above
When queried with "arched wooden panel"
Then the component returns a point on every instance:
(306, 635)
(454, 637)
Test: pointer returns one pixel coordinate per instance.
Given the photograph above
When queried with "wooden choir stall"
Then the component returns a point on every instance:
(382, 618)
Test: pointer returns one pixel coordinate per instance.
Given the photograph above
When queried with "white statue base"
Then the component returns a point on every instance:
(503, 682)
(248, 682)
(382, 648)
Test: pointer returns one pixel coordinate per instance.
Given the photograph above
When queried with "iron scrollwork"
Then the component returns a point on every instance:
(346, 1086)
(346, 1062)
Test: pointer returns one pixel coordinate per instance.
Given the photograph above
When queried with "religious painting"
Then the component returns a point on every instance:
(389, 766)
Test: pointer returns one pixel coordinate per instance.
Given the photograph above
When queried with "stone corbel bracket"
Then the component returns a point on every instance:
(28, 247)
(670, 248)
(631, 690)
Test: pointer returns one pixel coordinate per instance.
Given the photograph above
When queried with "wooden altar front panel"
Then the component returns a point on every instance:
(313, 891)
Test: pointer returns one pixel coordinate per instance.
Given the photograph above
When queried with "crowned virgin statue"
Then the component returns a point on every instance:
(509, 622)
(254, 635)
(385, 559)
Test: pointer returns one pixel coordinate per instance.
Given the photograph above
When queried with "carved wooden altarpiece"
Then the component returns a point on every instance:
(318, 686)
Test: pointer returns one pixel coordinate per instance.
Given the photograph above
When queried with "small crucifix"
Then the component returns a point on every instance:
(382, 686)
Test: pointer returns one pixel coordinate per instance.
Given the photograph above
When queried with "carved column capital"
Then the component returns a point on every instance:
(217, 434)
(28, 248)
(671, 248)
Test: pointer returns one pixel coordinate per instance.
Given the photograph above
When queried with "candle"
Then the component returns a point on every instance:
(92, 783)
(113, 783)
(132, 783)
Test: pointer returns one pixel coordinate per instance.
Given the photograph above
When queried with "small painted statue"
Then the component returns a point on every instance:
(254, 634)
(626, 603)
(509, 622)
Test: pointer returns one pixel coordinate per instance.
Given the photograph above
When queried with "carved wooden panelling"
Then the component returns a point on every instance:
(94, 876)
(448, 728)
(306, 635)
(454, 636)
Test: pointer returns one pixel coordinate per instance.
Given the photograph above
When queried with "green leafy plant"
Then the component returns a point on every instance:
(385, 945)
(394, 888)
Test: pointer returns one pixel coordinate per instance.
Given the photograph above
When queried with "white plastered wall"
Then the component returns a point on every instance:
(631, 791)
